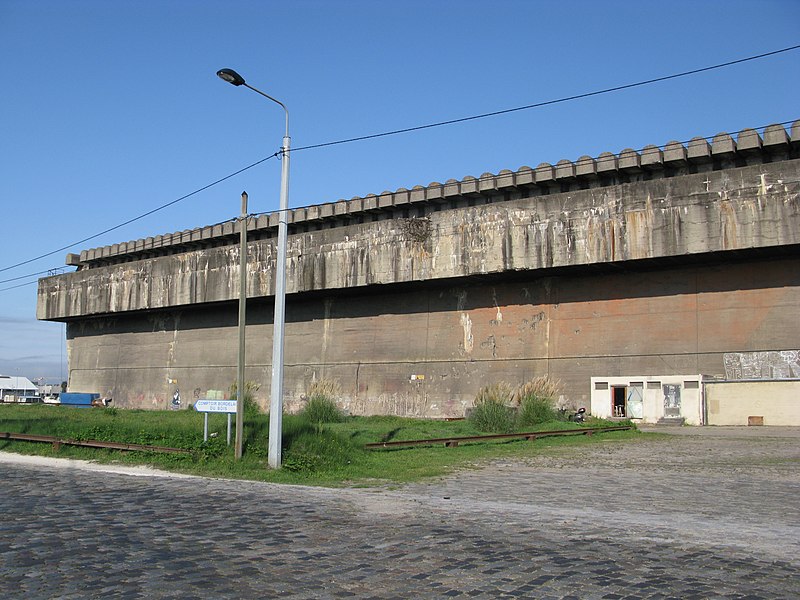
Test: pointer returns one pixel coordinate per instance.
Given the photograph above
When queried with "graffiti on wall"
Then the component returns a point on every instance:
(782, 364)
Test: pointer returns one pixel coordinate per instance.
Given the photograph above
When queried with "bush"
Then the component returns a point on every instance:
(321, 406)
(535, 410)
(491, 412)
(537, 401)
(251, 407)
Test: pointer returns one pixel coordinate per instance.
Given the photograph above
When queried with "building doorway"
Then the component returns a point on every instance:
(618, 395)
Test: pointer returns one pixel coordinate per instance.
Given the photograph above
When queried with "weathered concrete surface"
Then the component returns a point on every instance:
(734, 209)
(424, 351)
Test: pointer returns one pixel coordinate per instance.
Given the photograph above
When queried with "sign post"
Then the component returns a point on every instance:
(206, 405)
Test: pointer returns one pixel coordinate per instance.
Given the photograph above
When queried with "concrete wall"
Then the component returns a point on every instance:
(734, 402)
(425, 350)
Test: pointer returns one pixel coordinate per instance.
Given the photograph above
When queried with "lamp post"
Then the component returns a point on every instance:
(240, 363)
(276, 389)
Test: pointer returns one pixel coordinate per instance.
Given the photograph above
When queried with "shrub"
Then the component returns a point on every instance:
(251, 407)
(321, 405)
(537, 399)
(491, 412)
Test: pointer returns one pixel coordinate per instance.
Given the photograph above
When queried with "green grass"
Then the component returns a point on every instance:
(331, 455)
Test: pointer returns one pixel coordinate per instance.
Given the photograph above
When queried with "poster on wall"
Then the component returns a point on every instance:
(672, 399)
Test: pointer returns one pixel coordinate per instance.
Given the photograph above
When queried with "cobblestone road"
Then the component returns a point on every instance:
(690, 516)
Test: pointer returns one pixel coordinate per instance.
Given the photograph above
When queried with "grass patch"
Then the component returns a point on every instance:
(329, 454)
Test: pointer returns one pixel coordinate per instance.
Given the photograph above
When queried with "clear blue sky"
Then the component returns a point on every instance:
(112, 108)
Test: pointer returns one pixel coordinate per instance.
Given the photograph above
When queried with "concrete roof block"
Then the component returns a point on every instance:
(417, 194)
(451, 188)
(434, 191)
(114, 249)
(674, 152)
(525, 176)
(123, 247)
(487, 183)
(139, 245)
(355, 204)
(274, 218)
(158, 241)
(385, 199)
(228, 228)
(652, 156)
(326, 210)
(722, 144)
(252, 223)
(197, 235)
(545, 173)
(775, 135)
(84, 255)
(313, 212)
(585, 166)
(796, 132)
(262, 222)
(699, 149)
(73, 260)
(629, 159)
(148, 243)
(748, 140)
(340, 207)
(565, 169)
(469, 185)
(207, 232)
(89, 254)
(504, 179)
(370, 202)
(607, 162)
(105, 251)
(296, 215)
(401, 196)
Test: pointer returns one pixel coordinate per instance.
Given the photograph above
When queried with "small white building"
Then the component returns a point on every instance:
(18, 389)
(649, 399)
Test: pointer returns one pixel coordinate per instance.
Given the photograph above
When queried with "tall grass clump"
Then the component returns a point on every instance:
(321, 405)
(492, 410)
(251, 407)
(537, 401)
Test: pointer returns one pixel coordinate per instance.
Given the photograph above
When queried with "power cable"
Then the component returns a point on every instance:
(142, 216)
(549, 102)
(408, 130)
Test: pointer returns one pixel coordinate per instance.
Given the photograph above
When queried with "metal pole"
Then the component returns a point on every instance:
(276, 400)
(276, 390)
(240, 385)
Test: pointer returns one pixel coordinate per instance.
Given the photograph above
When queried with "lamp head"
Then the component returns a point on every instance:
(230, 76)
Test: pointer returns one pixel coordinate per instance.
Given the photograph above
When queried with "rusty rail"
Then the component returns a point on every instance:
(57, 442)
(451, 442)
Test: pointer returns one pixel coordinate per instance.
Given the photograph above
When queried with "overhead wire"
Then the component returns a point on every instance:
(407, 130)
(141, 216)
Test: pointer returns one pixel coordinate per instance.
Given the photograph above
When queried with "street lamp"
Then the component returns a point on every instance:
(276, 389)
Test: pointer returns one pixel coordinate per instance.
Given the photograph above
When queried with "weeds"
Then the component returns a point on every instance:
(492, 411)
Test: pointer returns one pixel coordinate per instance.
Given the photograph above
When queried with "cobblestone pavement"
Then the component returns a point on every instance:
(690, 516)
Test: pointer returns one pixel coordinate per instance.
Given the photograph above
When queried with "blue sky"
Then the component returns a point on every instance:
(112, 108)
